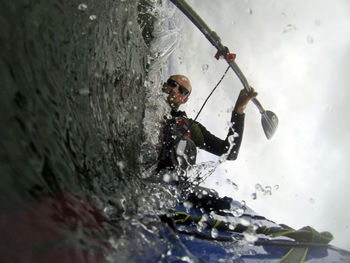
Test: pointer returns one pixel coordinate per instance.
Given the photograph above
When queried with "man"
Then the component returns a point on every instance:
(181, 135)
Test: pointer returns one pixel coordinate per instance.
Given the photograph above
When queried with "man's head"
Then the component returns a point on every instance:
(179, 89)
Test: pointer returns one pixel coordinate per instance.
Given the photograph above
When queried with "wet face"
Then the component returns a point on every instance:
(179, 88)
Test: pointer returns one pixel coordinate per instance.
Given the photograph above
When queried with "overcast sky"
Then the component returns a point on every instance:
(296, 54)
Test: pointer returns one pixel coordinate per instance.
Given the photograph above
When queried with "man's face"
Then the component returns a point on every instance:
(178, 87)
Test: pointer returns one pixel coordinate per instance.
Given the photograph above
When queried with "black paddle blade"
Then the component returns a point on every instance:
(269, 122)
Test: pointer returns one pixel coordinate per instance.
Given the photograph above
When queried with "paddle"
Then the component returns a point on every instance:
(269, 119)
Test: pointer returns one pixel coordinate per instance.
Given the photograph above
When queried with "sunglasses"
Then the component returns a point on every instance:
(172, 83)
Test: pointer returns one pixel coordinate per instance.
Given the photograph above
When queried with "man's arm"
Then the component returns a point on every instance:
(207, 141)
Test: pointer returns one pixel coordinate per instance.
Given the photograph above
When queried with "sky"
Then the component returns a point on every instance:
(296, 54)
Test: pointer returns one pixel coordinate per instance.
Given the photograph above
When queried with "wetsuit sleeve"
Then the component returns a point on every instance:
(209, 142)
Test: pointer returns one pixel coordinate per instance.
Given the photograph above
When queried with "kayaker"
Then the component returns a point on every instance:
(181, 135)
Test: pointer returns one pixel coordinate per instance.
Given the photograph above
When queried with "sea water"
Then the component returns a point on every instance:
(79, 114)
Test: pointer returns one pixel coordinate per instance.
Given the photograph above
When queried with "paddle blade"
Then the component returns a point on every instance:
(269, 122)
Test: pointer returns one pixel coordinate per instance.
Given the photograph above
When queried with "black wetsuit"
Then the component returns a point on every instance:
(176, 128)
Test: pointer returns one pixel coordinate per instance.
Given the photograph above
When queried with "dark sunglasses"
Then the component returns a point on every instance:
(172, 83)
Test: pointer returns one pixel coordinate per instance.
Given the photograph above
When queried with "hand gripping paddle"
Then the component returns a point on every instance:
(269, 119)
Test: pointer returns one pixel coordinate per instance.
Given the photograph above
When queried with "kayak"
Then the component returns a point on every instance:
(226, 237)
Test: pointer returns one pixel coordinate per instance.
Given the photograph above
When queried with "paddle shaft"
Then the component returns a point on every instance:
(215, 40)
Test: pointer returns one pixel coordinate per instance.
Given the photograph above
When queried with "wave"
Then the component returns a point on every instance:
(80, 105)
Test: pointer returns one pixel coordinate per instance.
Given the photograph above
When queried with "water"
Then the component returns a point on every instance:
(80, 108)
(76, 117)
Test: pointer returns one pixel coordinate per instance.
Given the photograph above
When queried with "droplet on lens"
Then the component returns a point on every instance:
(93, 17)
(82, 7)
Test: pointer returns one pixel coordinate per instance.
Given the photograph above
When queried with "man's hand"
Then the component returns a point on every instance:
(243, 99)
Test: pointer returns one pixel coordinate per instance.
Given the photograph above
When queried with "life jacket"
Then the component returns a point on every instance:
(178, 149)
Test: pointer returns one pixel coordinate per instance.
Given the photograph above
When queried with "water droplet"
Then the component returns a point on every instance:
(121, 165)
(188, 205)
(231, 139)
(205, 67)
(250, 238)
(167, 178)
(254, 196)
(312, 201)
(84, 91)
(289, 28)
(237, 212)
(97, 75)
(92, 17)
(268, 190)
(222, 159)
(235, 187)
(214, 233)
(256, 226)
(82, 7)
(249, 11)
(310, 40)
(276, 187)
(201, 226)
(259, 188)
(244, 222)
(186, 259)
